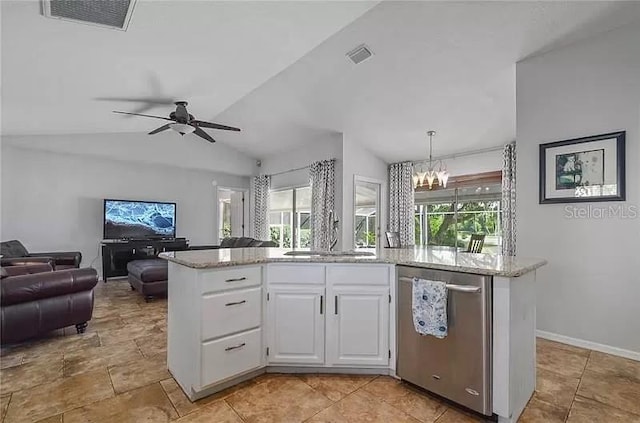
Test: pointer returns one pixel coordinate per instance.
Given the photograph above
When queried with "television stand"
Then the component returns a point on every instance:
(117, 253)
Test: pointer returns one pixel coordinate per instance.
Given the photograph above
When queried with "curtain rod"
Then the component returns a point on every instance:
(292, 170)
(466, 153)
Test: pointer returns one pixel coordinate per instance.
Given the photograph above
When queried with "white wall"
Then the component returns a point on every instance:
(359, 161)
(476, 163)
(328, 146)
(590, 290)
(165, 148)
(53, 201)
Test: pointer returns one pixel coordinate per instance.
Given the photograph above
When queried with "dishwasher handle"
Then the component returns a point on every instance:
(452, 287)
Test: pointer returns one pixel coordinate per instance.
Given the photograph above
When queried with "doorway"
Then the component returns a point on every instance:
(232, 209)
(366, 212)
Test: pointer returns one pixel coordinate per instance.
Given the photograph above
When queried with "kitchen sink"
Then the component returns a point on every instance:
(330, 253)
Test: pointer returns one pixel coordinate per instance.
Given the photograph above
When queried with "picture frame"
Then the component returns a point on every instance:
(586, 169)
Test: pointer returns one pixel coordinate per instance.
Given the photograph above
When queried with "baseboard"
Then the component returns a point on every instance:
(633, 355)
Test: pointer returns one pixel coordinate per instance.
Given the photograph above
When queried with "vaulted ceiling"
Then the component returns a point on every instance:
(446, 66)
(278, 69)
(210, 53)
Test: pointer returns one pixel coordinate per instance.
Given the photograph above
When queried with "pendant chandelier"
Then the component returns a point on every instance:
(428, 178)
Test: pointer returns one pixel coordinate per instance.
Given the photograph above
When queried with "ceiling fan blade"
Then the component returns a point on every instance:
(162, 128)
(140, 114)
(214, 125)
(199, 132)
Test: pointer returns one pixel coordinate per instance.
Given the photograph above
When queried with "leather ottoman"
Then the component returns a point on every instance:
(149, 277)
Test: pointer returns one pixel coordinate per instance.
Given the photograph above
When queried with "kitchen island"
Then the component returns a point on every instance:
(236, 313)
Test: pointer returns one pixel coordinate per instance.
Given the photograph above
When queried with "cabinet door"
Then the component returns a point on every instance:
(358, 325)
(295, 324)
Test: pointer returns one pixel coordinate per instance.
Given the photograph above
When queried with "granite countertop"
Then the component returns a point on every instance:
(430, 258)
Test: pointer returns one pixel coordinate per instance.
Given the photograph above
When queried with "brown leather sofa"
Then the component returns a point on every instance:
(35, 300)
(62, 260)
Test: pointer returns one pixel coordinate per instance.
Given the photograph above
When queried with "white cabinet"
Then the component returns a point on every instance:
(351, 323)
(358, 325)
(295, 324)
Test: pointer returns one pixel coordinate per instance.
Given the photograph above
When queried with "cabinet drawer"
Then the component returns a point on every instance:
(231, 311)
(221, 280)
(231, 356)
(297, 274)
(358, 274)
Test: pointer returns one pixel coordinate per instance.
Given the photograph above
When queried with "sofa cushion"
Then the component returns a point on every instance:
(13, 248)
(37, 286)
(150, 270)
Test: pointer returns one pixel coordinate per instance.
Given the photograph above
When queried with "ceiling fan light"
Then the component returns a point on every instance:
(182, 128)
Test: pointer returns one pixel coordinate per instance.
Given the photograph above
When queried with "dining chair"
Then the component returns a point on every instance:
(476, 243)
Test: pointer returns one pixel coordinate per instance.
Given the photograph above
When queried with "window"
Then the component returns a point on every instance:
(448, 217)
(289, 217)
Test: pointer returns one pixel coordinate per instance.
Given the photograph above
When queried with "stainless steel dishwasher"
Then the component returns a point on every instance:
(457, 367)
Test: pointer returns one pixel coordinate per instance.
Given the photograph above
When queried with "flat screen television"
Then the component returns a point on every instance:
(125, 219)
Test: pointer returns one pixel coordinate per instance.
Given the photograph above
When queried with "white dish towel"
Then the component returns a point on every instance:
(429, 307)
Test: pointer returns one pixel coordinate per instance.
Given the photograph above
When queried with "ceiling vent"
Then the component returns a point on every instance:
(114, 14)
(360, 54)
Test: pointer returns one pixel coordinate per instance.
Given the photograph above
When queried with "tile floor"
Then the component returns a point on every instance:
(116, 373)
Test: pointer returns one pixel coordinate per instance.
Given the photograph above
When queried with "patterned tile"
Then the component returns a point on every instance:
(539, 411)
(30, 374)
(415, 403)
(153, 345)
(589, 411)
(334, 386)
(611, 389)
(556, 389)
(218, 412)
(11, 361)
(567, 361)
(4, 403)
(454, 416)
(609, 364)
(77, 362)
(184, 406)
(138, 373)
(127, 333)
(147, 404)
(51, 399)
(277, 399)
(361, 407)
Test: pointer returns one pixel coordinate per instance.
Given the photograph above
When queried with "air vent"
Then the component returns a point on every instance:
(114, 14)
(360, 54)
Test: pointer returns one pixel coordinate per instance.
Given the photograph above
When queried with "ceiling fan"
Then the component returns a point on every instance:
(184, 123)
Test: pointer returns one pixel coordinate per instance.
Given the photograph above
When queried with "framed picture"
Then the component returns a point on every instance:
(583, 169)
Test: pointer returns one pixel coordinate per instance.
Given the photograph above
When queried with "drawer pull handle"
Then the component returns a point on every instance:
(235, 303)
(236, 279)
(235, 348)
